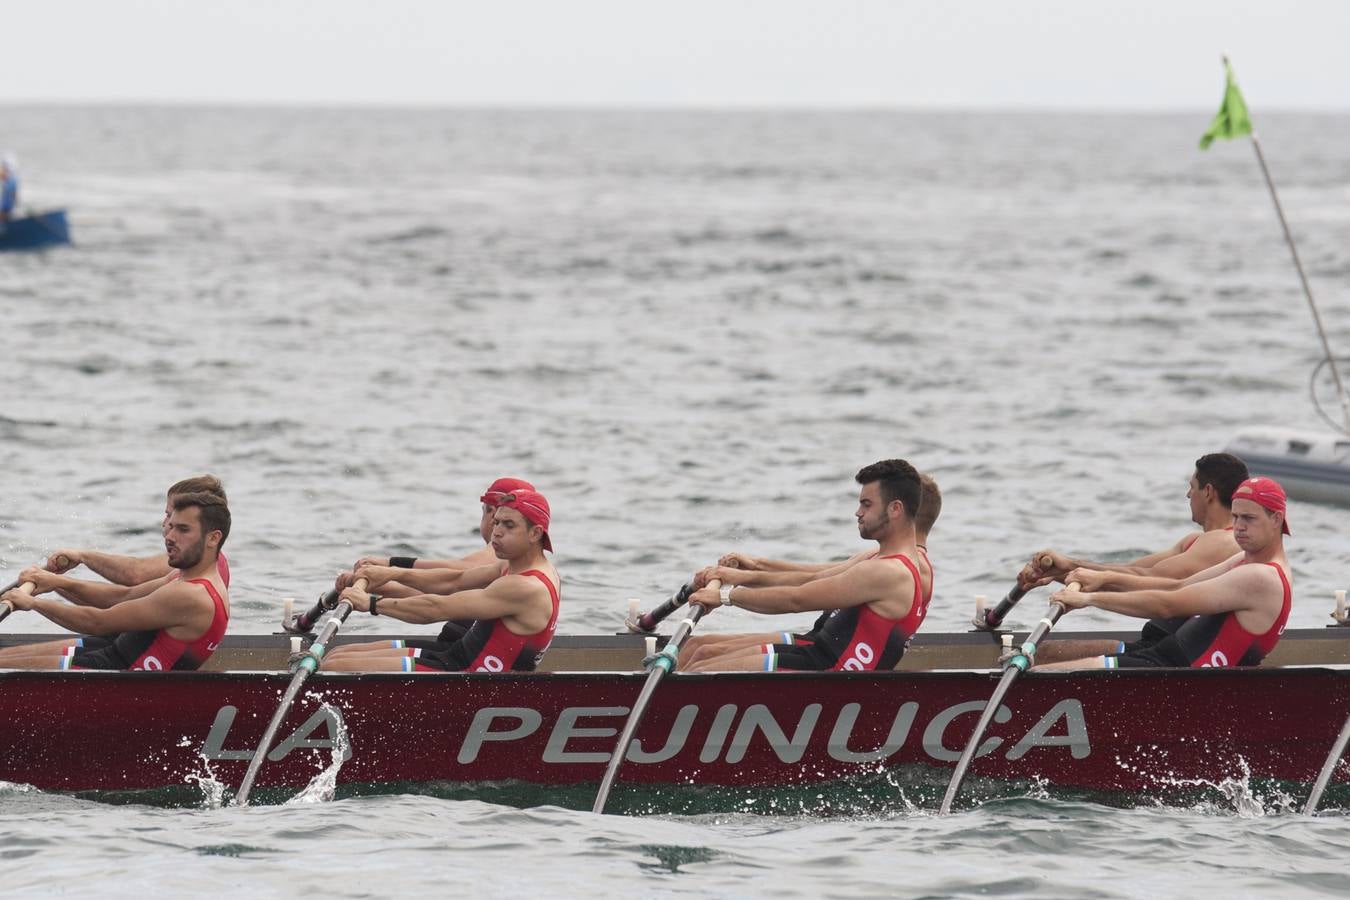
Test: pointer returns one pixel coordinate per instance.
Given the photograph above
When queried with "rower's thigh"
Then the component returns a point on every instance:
(388, 660)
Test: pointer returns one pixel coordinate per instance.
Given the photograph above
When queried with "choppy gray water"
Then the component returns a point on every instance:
(689, 329)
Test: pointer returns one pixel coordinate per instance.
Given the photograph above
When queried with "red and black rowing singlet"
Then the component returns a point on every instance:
(856, 638)
(1220, 640)
(810, 636)
(158, 650)
(489, 646)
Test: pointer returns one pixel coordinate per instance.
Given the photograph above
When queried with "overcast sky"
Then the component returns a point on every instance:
(1082, 54)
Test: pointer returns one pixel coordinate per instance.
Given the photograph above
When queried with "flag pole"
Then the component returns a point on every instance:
(1302, 276)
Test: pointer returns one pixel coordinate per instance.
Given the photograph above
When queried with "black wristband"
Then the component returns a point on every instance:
(374, 598)
(402, 562)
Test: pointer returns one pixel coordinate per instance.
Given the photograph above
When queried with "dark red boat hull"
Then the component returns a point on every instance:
(1116, 731)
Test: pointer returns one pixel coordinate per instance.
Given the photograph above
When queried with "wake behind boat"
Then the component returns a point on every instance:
(1138, 732)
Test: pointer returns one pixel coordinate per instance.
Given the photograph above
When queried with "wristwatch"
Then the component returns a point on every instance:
(724, 594)
(374, 598)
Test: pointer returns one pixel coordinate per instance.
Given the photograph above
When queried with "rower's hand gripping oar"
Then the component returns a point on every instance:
(26, 586)
(1328, 767)
(647, 622)
(657, 667)
(1013, 667)
(305, 666)
(993, 618)
(5, 606)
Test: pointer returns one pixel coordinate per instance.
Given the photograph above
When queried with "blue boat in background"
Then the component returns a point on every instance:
(35, 231)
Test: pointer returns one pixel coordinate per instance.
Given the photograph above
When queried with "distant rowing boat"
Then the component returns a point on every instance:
(1136, 731)
(35, 231)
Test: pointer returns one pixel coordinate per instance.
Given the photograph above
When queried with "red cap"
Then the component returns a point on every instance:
(1266, 493)
(502, 487)
(532, 505)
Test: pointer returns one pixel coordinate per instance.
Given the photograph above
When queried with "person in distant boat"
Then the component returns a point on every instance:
(1210, 494)
(736, 568)
(876, 604)
(1233, 613)
(176, 626)
(512, 604)
(9, 187)
(141, 574)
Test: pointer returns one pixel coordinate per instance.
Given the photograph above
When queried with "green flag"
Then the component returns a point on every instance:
(1232, 120)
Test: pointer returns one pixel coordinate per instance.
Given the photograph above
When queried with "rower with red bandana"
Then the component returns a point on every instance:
(1234, 612)
(513, 604)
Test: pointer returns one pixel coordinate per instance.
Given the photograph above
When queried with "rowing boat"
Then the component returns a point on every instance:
(1132, 731)
(35, 231)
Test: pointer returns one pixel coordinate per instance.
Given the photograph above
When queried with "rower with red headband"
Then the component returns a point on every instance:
(1236, 610)
(513, 604)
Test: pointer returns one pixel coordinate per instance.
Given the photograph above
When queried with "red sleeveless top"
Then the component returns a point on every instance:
(167, 652)
(505, 650)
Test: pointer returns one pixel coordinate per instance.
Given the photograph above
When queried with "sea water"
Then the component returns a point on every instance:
(689, 329)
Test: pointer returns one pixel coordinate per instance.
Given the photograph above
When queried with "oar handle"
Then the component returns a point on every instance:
(304, 623)
(647, 622)
(6, 607)
(993, 618)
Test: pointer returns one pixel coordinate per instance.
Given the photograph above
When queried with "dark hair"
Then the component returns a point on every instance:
(899, 481)
(199, 484)
(1222, 470)
(930, 504)
(213, 510)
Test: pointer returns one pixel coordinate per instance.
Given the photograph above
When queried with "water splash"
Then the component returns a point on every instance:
(205, 780)
(323, 786)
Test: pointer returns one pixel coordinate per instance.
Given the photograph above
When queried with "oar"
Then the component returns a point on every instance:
(993, 618)
(647, 622)
(5, 606)
(1011, 669)
(1329, 766)
(306, 666)
(304, 623)
(662, 663)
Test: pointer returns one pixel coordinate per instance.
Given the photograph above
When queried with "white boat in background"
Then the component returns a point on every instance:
(1311, 465)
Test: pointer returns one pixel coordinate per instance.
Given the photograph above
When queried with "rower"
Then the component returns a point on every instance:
(176, 626)
(513, 607)
(876, 604)
(131, 571)
(482, 556)
(106, 594)
(404, 576)
(1234, 612)
(733, 568)
(1209, 493)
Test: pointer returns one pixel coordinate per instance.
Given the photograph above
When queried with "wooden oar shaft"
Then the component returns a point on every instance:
(647, 622)
(1328, 767)
(994, 617)
(308, 664)
(664, 662)
(1015, 667)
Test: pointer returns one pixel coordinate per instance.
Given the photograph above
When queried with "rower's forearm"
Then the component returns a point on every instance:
(92, 593)
(431, 581)
(768, 600)
(1143, 604)
(760, 579)
(421, 609)
(82, 619)
(125, 570)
